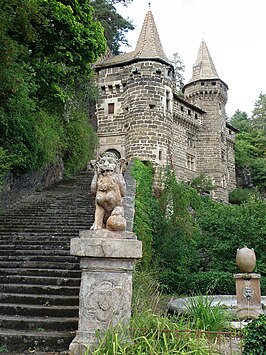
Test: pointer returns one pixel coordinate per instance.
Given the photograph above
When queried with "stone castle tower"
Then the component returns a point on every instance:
(140, 114)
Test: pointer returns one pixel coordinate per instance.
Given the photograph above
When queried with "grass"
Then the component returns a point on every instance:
(204, 315)
(3, 348)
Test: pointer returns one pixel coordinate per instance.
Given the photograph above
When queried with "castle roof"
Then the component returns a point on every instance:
(204, 68)
(148, 47)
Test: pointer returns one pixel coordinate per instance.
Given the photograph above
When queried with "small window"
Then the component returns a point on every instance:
(189, 112)
(196, 116)
(202, 83)
(182, 108)
(167, 100)
(223, 154)
(191, 140)
(111, 108)
(213, 83)
(160, 155)
(190, 162)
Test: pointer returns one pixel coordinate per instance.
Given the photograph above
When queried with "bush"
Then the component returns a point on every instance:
(255, 337)
(212, 282)
(239, 195)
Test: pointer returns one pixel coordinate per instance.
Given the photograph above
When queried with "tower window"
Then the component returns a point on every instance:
(213, 82)
(189, 112)
(167, 100)
(196, 115)
(223, 154)
(182, 108)
(190, 162)
(191, 140)
(160, 155)
(111, 108)
(202, 83)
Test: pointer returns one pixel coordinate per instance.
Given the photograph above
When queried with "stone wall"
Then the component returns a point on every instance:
(141, 115)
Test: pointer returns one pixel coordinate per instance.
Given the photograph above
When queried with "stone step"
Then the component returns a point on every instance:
(41, 300)
(38, 246)
(40, 289)
(62, 259)
(17, 341)
(27, 310)
(38, 323)
(38, 265)
(39, 280)
(26, 252)
(41, 272)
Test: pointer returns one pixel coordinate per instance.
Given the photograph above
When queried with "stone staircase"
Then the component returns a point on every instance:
(39, 279)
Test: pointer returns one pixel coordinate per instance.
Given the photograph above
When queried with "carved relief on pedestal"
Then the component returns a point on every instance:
(106, 300)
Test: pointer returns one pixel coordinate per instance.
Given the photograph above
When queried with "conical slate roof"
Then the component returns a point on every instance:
(204, 68)
(148, 47)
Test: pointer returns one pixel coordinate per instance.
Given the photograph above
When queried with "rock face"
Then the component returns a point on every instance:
(246, 259)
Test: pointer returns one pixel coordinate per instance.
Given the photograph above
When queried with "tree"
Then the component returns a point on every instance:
(115, 26)
(47, 52)
(179, 70)
(259, 113)
(241, 121)
(250, 147)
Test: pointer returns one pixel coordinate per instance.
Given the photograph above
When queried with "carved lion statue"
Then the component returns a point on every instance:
(108, 186)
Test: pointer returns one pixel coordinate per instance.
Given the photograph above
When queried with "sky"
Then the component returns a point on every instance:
(234, 31)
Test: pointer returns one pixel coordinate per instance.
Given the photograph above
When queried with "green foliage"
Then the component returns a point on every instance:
(151, 334)
(211, 282)
(175, 230)
(240, 195)
(79, 143)
(3, 348)
(255, 337)
(202, 183)
(205, 315)
(250, 144)
(228, 227)
(115, 26)
(144, 201)
(47, 49)
(146, 293)
(259, 113)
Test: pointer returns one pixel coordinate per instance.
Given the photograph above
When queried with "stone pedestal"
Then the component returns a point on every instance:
(107, 261)
(248, 295)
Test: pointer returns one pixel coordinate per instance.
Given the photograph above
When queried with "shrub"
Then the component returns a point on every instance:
(239, 195)
(212, 282)
(143, 173)
(255, 337)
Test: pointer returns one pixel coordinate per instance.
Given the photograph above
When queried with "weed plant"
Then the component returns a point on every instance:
(205, 315)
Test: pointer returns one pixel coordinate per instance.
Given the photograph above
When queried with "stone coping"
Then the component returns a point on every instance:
(105, 244)
(228, 301)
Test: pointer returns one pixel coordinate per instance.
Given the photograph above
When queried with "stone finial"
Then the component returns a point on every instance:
(108, 186)
(246, 259)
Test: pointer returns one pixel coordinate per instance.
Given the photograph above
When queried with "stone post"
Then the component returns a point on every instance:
(107, 261)
(248, 295)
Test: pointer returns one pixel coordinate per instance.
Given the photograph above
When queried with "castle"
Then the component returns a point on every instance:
(140, 114)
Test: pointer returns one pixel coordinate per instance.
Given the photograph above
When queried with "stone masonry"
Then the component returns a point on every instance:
(141, 115)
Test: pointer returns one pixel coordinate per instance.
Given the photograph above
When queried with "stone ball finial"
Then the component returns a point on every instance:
(246, 259)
